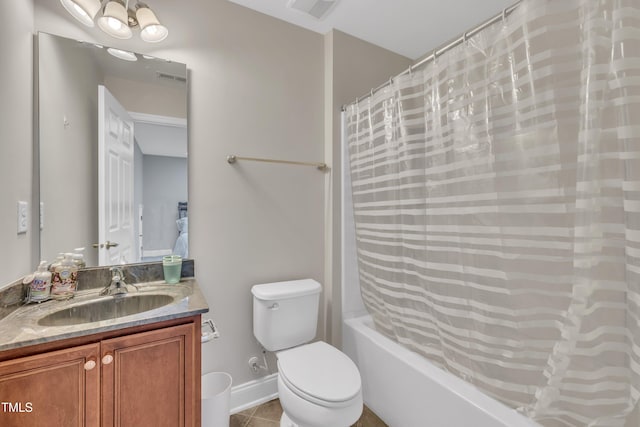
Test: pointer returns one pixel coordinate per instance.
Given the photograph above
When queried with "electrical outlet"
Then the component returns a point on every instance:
(23, 217)
(254, 364)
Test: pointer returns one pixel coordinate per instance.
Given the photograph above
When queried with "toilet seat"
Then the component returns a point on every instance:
(321, 374)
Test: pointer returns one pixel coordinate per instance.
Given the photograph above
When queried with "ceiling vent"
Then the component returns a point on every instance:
(319, 9)
(173, 77)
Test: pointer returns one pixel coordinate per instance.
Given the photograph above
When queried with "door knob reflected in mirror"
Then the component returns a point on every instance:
(107, 245)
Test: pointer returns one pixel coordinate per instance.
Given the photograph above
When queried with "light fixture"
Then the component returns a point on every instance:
(150, 28)
(83, 10)
(116, 19)
(122, 54)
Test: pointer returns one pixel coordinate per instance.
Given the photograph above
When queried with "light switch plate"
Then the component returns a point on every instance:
(23, 217)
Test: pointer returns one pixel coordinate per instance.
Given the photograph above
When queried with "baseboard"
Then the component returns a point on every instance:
(156, 253)
(253, 393)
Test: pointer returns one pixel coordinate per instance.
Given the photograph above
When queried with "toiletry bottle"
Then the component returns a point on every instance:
(27, 281)
(67, 272)
(79, 252)
(54, 264)
(55, 278)
(41, 285)
(78, 260)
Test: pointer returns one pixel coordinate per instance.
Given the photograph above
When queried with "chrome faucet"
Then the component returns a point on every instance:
(117, 285)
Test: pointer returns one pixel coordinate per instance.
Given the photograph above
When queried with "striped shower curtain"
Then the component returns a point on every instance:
(496, 197)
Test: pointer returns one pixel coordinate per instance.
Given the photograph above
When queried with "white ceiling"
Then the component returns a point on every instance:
(160, 140)
(408, 27)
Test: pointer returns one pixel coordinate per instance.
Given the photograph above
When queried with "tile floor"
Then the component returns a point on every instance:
(268, 415)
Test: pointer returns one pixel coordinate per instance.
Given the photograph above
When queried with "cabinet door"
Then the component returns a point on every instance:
(55, 389)
(148, 379)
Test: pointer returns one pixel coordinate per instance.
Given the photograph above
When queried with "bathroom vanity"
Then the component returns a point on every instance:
(61, 367)
(144, 376)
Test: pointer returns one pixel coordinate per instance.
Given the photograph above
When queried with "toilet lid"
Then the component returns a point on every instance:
(320, 371)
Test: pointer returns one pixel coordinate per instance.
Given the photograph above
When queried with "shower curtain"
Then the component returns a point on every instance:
(496, 198)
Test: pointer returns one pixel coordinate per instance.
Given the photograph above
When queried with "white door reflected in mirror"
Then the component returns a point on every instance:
(115, 181)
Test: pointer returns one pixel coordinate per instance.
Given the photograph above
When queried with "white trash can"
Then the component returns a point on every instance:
(216, 390)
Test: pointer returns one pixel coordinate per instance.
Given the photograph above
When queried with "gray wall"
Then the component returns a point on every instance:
(165, 184)
(16, 137)
(149, 98)
(68, 87)
(352, 68)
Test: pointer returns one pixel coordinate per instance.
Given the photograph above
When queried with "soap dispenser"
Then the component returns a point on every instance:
(40, 287)
(78, 257)
(54, 264)
(66, 274)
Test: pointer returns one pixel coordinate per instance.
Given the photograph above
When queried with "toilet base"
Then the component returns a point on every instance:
(285, 421)
(309, 414)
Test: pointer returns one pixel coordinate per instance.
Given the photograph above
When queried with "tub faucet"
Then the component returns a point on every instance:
(117, 286)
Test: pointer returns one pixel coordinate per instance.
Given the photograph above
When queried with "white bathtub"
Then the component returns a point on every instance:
(406, 390)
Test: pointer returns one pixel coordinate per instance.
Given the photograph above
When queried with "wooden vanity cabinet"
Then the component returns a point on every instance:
(58, 388)
(142, 376)
(145, 378)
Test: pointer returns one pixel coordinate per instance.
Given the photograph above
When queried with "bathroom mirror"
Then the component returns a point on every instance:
(112, 143)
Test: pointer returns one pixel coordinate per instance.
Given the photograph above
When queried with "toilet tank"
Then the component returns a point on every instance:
(285, 314)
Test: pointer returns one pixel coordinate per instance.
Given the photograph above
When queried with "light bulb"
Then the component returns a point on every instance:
(114, 24)
(83, 10)
(80, 11)
(114, 20)
(152, 30)
(122, 54)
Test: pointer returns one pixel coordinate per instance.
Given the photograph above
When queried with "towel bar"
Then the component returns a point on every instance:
(233, 158)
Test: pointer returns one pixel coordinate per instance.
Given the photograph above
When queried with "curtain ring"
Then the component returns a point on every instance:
(410, 71)
(504, 15)
(435, 54)
(464, 37)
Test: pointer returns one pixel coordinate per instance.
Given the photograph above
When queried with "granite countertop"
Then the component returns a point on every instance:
(20, 327)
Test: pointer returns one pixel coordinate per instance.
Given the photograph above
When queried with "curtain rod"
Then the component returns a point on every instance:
(232, 158)
(442, 49)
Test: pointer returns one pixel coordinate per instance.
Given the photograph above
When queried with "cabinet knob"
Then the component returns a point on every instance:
(106, 359)
(89, 365)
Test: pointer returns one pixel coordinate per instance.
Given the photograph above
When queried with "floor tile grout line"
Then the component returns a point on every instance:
(264, 419)
(254, 417)
(248, 417)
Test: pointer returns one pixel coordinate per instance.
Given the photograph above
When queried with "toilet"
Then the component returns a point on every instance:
(318, 385)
